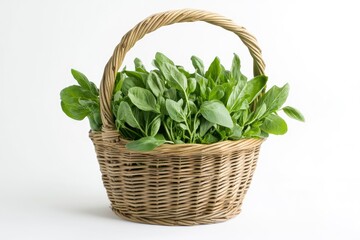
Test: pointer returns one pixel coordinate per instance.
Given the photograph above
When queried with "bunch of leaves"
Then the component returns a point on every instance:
(171, 105)
(82, 100)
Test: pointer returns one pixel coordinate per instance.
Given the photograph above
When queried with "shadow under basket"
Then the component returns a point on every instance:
(175, 184)
(185, 184)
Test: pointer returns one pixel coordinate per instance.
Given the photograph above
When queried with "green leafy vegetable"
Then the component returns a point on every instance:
(146, 143)
(125, 113)
(274, 124)
(143, 99)
(175, 111)
(172, 105)
(294, 113)
(84, 82)
(216, 112)
(198, 65)
(275, 98)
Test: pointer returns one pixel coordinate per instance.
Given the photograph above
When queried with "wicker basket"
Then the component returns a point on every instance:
(181, 184)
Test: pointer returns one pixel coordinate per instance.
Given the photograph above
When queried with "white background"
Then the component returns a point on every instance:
(306, 185)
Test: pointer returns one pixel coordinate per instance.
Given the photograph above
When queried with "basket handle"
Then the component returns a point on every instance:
(149, 25)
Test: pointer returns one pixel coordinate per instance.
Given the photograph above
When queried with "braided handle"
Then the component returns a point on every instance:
(149, 25)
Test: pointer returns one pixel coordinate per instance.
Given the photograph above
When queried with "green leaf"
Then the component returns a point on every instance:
(160, 58)
(95, 120)
(141, 76)
(70, 102)
(117, 96)
(193, 107)
(146, 143)
(196, 124)
(235, 69)
(162, 103)
(84, 82)
(214, 70)
(209, 138)
(183, 126)
(183, 71)
(131, 82)
(175, 111)
(205, 125)
(263, 134)
(202, 85)
(155, 126)
(198, 65)
(275, 98)
(215, 112)
(236, 97)
(74, 111)
(254, 87)
(178, 142)
(171, 94)
(258, 114)
(139, 66)
(294, 113)
(156, 84)
(119, 81)
(236, 132)
(125, 113)
(191, 84)
(252, 131)
(72, 94)
(274, 124)
(174, 77)
(143, 99)
(217, 93)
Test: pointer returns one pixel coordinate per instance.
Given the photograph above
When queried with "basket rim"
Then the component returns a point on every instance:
(183, 148)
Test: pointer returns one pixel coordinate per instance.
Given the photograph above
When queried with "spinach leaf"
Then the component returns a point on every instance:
(130, 82)
(275, 98)
(215, 112)
(84, 82)
(198, 65)
(74, 111)
(139, 66)
(236, 132)
(143, 99)
(235, 72)
(205, 125)
(156, 84)
(175, 111)
(209, 138)
(217, 93)
(145, 144)
(119, 80)
(192, 85)
(294, 113)
(174, 77)
(237, 97)
(214, 70)
(95, 120)
(254, 87)
(125, 113)
(160, 59)
(274, 124)
(155, 126)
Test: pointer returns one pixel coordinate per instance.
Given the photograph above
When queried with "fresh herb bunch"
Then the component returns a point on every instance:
(171, 105)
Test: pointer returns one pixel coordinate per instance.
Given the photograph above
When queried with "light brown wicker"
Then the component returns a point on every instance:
(181, 184)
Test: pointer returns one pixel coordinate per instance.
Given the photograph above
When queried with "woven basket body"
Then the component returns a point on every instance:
(181, 184)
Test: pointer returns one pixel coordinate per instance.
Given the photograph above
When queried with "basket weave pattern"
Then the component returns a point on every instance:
(181, 184)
